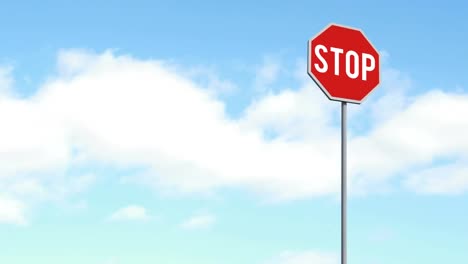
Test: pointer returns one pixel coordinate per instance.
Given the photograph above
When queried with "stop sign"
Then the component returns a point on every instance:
(343, 63)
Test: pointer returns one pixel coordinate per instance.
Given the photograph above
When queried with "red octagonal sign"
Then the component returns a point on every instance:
(343, 63)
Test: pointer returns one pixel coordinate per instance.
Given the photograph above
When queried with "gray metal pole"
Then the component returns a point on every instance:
(343, 183)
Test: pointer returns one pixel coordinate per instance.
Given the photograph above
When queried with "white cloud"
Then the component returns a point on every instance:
(130, 213)
(447, 179)
(6, 80)
(413, 138)
(39, 187)
(12, 211)
(155, 118)
(267, 73)
(127, 113)
(305, 257)
(208, 78)
(293, 115)
(72, 62)
(200, 221)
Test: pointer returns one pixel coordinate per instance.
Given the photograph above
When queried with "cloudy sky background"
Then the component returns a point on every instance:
(183, 133)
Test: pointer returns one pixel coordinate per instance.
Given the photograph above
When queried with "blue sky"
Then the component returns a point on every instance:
(183, 132)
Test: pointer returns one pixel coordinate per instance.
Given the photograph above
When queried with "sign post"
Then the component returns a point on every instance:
(346, 67)
(343, 183)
